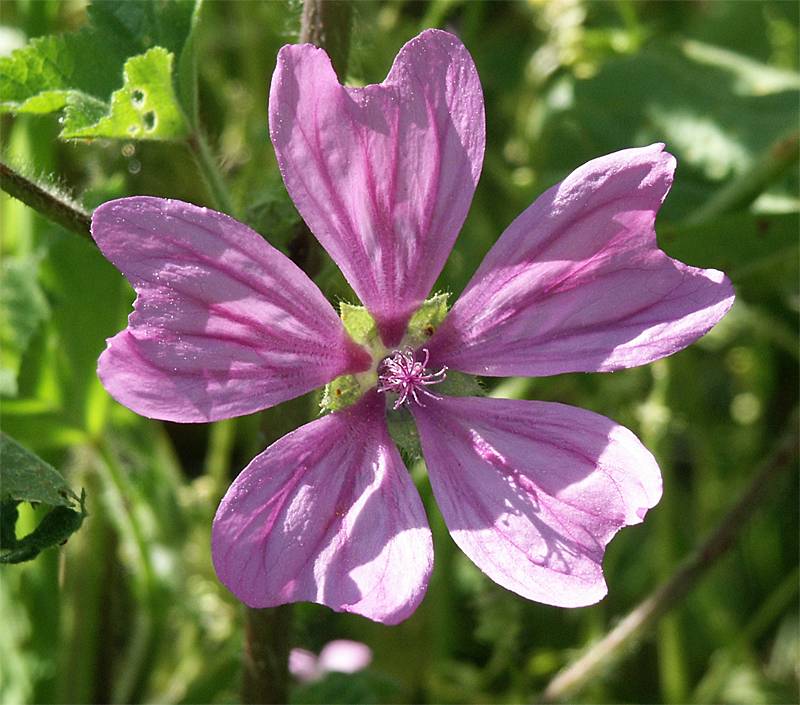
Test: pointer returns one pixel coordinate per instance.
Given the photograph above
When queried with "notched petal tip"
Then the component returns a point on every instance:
(327, 514)
(577, 282)
(223, 324)
(532, 492)
(383, 174)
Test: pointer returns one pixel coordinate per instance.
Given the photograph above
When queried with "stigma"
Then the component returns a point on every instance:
(402, 374)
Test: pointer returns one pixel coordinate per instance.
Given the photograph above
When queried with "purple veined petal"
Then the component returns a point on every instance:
(577, 282)
(533, 491)
(383, 175)
(223, 323)
(345, 656)
(327, 514)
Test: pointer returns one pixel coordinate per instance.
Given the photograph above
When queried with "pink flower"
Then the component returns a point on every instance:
(225, 325)
(340, 655)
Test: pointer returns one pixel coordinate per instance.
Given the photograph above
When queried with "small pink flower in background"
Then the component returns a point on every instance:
(384, 175)
(340, 655)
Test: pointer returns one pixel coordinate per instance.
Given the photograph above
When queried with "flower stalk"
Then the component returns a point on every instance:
(266, 648)
(739, 193)
(207, 165)
(266, 655)
(48, 202)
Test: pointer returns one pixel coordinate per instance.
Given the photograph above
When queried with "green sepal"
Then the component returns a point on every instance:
(403, 431)
(459, 384)
(342, 392)
(359, 324)
(426, 320)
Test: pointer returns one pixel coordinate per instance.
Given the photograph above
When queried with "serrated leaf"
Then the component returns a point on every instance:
(41, 76)
(25, 477)
(663, 95)
(82, 69)
(54, 529)
(23, 307)
(145, 108)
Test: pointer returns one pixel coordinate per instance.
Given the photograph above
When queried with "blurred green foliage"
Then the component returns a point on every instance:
(129, 610)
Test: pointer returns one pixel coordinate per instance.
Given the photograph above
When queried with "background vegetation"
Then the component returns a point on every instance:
(129, 609)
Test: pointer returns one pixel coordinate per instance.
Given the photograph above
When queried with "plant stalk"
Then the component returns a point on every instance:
(207, 164)
(325, 23)
(266, 655)
(51, 205)
(740, 192)
(602, 655)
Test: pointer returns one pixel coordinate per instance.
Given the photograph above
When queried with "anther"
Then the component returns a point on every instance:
(402, 374)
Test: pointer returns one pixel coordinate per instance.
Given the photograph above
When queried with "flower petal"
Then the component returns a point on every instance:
(345, 656)
(577, 282)
(327, 514)
(533, 491)
(223, 324)
(303, 666)
(383, 175)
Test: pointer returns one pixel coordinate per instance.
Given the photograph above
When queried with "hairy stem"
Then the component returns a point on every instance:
(51, 205)
(207, 164)
(266, 655)
(619, 641)
(743, 190)
(267, 631)
(325, 23)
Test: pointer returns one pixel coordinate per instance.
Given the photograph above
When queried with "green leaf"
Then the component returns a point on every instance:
(25, 477)
(144, 108)
(54, 529)
(81, 70)
(752, 77)
(28, 478)
(22, 309)
(663, 95)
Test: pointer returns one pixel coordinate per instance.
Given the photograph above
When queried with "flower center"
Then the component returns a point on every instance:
(402, 374)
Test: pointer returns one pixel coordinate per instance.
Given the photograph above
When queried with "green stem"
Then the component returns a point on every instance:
(743, 190)
(209, 168)
(619, 641)
(52, 205)
(143, 638)
(655, 426)
(325, 23)
(266, 655)
(221, 439)
(725, 661)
